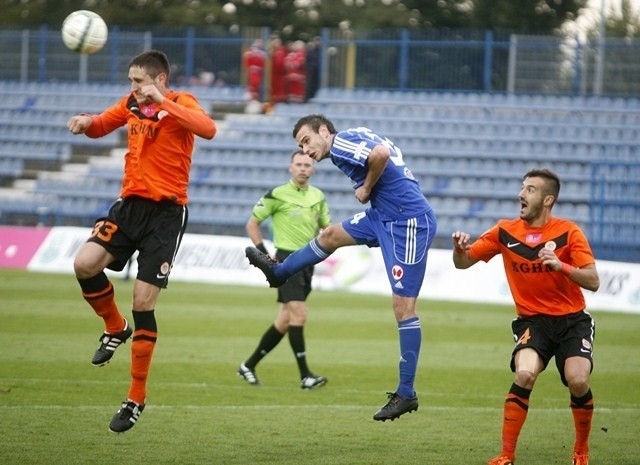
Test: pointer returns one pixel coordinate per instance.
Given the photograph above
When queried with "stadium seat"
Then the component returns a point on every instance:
(468, 150)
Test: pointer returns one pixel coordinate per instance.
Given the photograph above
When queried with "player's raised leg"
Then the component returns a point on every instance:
(311, 254)
(99, 293)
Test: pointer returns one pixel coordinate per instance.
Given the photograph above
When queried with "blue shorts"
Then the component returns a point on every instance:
(404, 245)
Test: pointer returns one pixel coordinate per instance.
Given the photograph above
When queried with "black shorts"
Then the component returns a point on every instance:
(298, 286)
(154, 229)
(555, 336)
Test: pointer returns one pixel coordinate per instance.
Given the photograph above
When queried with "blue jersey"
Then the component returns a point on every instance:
(397, 194)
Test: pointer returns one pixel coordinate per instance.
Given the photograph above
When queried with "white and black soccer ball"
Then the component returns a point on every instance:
(84, 31)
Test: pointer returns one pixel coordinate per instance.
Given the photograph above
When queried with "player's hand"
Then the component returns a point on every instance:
(461, 240)
(363, 194)
(148, 94)
(549, 258)
(79, 124)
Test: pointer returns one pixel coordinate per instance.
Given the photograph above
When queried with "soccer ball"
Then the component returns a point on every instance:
(84, 31)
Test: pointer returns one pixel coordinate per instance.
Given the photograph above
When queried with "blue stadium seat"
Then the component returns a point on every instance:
(11, 167)
(468, 150)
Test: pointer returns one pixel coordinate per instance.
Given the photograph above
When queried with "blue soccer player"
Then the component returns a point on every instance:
(399, 220)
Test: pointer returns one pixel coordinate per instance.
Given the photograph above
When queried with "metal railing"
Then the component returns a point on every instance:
(397, 59)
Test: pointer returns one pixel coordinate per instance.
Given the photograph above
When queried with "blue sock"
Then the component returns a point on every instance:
(410, 340)
(310, 254)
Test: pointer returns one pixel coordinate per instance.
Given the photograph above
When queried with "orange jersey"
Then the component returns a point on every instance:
(160, 143)
(536, 288)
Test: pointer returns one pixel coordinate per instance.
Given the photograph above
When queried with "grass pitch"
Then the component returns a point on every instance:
(55, 406)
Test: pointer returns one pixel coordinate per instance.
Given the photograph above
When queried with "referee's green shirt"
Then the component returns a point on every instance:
(297, 214)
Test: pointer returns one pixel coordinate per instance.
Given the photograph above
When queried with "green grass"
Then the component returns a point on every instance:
(55, 407)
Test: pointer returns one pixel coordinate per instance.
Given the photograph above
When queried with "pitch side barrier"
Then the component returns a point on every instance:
(221, 260)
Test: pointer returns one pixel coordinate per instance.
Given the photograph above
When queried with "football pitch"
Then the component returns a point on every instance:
(55, 406)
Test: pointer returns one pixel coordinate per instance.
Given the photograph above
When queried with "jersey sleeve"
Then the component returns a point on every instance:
(352, 147)
(325, 214)
(188, 112)
(486, 246)
(581, 254)
(264, 208)
(109, 120)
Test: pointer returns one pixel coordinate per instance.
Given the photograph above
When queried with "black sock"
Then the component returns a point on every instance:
(296, 339)
(269, 340)
(581, 401)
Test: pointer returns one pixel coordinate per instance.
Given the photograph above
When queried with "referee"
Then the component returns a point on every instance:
(298, 212)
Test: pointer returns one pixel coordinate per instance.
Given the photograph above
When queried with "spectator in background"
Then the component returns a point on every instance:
(150, 216)
(254, 61)
(313, 67)
(278, 71)
(296, 74)
(547, 261)
(298, 211)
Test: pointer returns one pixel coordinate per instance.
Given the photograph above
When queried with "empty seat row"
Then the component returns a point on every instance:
(29, 150)
(545, 101)
(11, 167)
(468, 152)
(10, 132)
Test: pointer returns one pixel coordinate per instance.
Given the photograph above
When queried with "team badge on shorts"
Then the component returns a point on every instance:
(397, 272)
(164, 270)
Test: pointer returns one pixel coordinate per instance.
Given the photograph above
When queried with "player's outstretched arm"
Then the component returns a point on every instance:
(461, 242)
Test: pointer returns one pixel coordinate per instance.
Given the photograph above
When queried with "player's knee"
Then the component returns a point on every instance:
(297, 315)
(145, 296)
(298, 321)
(525, 379)
(83, 267)
(143, 301)
(577, 371)
(326, 238)
(333, 238)
(578, 382)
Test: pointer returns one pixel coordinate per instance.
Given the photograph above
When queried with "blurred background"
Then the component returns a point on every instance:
(474, 92)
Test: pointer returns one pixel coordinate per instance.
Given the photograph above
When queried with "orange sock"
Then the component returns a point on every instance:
(582, 410)
(516, 406)
(143, 343)
(98, 292)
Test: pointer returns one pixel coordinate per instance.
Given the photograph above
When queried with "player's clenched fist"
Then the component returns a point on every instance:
(79, 124)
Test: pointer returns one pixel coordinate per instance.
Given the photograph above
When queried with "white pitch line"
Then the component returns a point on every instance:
(299, 406)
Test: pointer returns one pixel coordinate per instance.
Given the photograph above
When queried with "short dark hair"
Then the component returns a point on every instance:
(552, 181)
(154, 62)
(314, 122)
(296, 152)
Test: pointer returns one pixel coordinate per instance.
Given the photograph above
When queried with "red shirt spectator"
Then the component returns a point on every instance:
(278, 72)
(254, 61)
(296, 72)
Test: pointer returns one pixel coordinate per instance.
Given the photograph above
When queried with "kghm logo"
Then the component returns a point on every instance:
(142, 128)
